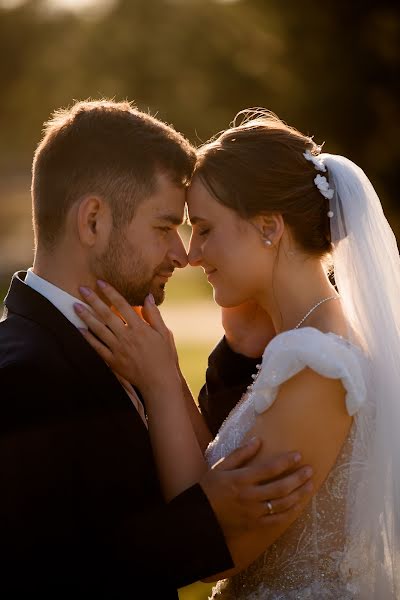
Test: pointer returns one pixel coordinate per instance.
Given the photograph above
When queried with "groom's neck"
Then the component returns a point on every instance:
(64, 269)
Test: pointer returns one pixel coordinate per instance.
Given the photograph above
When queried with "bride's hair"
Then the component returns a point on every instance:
(257, 167)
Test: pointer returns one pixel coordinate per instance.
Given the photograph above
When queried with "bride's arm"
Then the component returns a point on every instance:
(199, 425)
(177, 452)
(197, 420)
(309, 413)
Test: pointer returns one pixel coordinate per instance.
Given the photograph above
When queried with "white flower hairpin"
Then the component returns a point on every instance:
(322, 184)
(320, 180)
(317, 160)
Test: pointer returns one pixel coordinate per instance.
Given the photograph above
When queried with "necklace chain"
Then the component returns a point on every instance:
(314, 307)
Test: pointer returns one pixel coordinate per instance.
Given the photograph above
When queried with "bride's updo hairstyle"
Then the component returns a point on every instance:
(258, 167)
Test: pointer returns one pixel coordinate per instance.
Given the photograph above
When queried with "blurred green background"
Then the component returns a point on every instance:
(329, 68)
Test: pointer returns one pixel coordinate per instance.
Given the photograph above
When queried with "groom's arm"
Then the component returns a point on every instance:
(57, 515)
(227, 377)
(181, 541)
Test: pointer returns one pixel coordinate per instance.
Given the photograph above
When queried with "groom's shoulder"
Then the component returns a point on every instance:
(18, 330)
(32, 367)
(24, 342)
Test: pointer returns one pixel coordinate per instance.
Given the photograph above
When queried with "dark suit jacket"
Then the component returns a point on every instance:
(227, 377)
(81, 510)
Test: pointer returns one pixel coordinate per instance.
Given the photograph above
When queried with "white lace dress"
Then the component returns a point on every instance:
(308, 560)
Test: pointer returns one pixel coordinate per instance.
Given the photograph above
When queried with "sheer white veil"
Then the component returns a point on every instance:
(367, 274)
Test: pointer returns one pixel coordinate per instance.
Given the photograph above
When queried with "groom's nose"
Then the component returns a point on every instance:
(178, 254)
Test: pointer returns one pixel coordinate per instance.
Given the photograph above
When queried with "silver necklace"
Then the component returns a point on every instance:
(314, 307)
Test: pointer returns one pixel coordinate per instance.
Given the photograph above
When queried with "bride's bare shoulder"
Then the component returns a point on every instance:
(332, 320)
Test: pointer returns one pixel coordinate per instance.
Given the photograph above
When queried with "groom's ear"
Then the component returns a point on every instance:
(93, 220)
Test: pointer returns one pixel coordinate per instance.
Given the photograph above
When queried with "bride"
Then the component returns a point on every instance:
(275, 222)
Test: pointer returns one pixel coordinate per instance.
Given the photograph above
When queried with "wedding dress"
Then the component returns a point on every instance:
(312, 558)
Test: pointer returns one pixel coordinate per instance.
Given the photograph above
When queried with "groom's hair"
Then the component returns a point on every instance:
(106, 148)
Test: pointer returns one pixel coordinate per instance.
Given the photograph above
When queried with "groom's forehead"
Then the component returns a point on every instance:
(164, 209)
(167, 202)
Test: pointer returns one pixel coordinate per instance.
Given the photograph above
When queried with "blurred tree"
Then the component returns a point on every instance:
(328, 68)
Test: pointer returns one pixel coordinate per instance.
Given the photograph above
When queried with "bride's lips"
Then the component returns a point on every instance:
(210, 273)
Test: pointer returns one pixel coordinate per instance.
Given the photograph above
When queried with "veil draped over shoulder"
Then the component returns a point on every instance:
(367, 274)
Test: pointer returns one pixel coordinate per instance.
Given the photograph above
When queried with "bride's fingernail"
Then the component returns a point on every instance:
(102, 284)
(84, 291)
(83, 330)
(79, 307)
(151, 299)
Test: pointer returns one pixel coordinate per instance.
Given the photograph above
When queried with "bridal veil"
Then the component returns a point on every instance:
(367, 275)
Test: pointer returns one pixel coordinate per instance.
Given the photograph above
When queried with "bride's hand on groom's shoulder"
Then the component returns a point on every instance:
(248, 328)
(134, 342)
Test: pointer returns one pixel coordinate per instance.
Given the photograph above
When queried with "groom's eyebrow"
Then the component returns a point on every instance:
(171, 218)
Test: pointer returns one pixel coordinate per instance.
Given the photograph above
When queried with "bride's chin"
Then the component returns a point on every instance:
(225, 300)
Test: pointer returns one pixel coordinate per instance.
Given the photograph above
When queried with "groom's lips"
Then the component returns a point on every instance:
(165, 276)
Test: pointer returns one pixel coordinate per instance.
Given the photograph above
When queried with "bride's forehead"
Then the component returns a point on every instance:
(210, 210)
(199, 199)
(198, 191)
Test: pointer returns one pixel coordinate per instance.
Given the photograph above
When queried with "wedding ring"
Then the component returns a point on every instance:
(269, 506)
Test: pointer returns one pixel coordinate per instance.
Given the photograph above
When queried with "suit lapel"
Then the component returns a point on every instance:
(26, 302)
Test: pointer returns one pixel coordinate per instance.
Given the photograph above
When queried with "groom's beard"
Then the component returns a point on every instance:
(127, 271)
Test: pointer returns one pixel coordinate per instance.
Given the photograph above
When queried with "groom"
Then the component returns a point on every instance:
(81, 509)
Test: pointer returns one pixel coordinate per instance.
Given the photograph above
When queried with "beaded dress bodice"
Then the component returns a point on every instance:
(308, 560)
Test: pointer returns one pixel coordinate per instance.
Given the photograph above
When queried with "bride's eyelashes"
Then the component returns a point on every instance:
(200, 231)
(204, 232)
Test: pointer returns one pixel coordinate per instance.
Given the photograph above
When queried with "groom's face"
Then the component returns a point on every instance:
(142, 255)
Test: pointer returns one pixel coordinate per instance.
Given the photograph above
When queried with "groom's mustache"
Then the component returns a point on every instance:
(166, 270)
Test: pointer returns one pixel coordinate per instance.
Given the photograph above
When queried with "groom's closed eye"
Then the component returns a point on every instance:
(170, 219)
(168, 223)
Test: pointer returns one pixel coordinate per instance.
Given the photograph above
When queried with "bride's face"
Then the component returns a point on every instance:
(230, 249)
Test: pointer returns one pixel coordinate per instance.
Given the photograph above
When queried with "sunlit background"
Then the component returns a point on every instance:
(329, 68)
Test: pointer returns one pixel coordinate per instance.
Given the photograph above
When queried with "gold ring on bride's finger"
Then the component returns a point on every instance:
(268, 504)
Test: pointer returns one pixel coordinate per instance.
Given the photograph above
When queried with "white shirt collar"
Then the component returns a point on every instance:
(63, 301)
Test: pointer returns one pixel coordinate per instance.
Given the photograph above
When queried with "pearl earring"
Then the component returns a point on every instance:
(268, 243)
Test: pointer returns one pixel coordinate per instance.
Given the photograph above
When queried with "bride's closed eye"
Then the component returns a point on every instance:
(204, 231)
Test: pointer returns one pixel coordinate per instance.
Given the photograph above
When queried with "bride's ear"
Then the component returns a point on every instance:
(271, 228)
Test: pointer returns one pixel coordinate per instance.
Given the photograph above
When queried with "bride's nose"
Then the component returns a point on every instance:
(195, 254)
